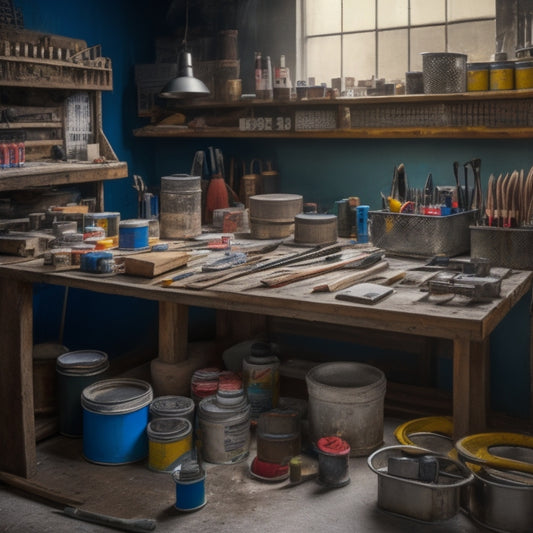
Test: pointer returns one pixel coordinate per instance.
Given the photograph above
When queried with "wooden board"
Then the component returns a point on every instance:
(152, 264)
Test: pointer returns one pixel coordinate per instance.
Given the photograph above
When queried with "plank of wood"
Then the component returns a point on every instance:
(38, 490)
(151, 264)
(352, 278)
(281, 280)
(22, 245)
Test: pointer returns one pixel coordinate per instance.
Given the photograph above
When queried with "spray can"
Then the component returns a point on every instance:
(266, 78)
(21, 149)
(258, 75)
(260, 370)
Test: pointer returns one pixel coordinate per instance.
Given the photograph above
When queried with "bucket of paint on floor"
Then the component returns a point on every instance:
(115, 416)
(133, 235)
(172, 407)
(224, 427)
(190, 486)
(169, 443)
(347, 399)
(75, 371)
(333, 461)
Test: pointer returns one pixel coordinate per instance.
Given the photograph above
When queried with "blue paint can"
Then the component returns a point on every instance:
(133, 234)
(190, 486)
(115, 416)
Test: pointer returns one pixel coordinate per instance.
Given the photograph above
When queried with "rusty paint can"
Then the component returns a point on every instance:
(523, 74)
(477, 77)
(278, 436)
(501, 75)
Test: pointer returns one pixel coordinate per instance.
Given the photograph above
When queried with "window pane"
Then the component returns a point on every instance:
(430, 39)
(392, 54)
(392, 13)
(427, 11)
(359, 15)
(359, 56)
(476, 39)
(324, 58)
(459, 9)
(322, 16)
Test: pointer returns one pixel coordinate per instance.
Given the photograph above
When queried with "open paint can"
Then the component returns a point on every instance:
(190, 486)
(115, 416)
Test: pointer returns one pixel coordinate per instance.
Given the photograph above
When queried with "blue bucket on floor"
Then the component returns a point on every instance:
(115, 416)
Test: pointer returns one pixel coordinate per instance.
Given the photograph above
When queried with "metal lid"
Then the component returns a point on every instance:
(115, 396)
(496, 65)
(483, 65)
(316, 218)
(168, 429)
(170, 406)
(211, 408)
(133, 223)
(102, 215)
(82, 362)
(180, 183)
(188, 471)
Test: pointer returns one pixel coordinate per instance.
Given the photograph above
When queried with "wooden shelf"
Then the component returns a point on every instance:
(42, 174)
(483, 115)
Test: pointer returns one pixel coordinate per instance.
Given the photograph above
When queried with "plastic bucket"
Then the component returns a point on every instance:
(75, 371)
(169, 443)
(346, 399)
(115, 416)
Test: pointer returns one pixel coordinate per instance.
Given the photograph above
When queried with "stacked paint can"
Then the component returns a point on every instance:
(204, 383)
(172, 407)
(115, 417)
(169, 443)
(224, 427)
(333, 461)
(190, 486)
(75, 371)
(260, 370)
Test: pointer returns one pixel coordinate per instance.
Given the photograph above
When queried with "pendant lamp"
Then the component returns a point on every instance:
(185, 85)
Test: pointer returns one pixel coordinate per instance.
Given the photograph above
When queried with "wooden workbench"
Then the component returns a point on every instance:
(468, 327)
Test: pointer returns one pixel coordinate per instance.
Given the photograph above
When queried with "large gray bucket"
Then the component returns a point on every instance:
(346, 399)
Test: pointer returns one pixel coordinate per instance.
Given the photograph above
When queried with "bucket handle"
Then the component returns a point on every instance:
(256, 161)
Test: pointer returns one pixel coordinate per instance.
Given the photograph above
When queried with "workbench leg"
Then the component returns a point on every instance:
(17, 436)
(235, 326)
(171, 372)
(469, 387)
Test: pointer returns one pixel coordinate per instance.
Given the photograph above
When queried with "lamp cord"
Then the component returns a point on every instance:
(184, 43)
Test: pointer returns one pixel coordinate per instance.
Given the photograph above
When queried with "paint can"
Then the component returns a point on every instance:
(190, 486)
(169, 443)
(115, 416)
(477, 76)
(501, 75)
(108, 221)
(98, 262)
(278, 436)
(133, 234)
(523, 74)
(347, 399)
(333, 461)
(181, 206)
(224, 427)
(172, 407)
(260, 369)
(204, 383)
(75, 371)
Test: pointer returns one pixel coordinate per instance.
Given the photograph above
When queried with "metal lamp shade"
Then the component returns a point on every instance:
(185, 85)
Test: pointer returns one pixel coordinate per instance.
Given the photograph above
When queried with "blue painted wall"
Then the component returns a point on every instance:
(323, 171)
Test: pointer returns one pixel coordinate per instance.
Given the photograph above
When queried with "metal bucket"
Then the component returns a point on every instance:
(347, 399)
(115, 416)
(444, 72)
(181, 206)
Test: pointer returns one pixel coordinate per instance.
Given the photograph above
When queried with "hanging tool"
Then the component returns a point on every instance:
(491, 193)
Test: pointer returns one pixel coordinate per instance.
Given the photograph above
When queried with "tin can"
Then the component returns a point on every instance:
(523, 74)
(477, 76)
(501, 75)
(190, 486)
(260, 370)
(169, 443)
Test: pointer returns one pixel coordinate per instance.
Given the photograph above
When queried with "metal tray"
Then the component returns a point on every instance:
(503, 247)
(421, 235)
(419, 500)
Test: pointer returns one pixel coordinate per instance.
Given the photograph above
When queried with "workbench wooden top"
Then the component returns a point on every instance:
(403, 311)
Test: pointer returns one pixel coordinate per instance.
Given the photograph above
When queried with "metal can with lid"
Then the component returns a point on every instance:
(477, 76)
(523, 74)
(501, 75)
(172, 407)
(169, 443)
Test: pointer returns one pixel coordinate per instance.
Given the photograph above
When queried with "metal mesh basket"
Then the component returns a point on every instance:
(444, 72)
(421, 235)
(503, 247)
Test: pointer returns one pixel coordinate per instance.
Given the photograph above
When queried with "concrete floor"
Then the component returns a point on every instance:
(235, 502)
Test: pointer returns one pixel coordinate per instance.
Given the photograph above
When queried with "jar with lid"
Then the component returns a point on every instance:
(260, 370)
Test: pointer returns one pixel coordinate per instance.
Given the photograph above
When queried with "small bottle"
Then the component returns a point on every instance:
(21, 149)
(13, 154)
(258, 75)
(4, 155)
(268, 90)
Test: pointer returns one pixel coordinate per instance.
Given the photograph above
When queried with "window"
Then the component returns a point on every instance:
(384, 38)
